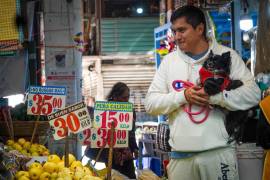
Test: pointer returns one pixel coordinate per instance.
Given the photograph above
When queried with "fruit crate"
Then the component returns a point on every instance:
(25, 128)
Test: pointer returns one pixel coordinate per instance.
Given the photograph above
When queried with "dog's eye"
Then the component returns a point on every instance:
(211, 64)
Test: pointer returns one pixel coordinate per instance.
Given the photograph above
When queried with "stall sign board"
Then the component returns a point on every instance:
(44, 100)
(121, 113)
(72, 119)
(97, 138)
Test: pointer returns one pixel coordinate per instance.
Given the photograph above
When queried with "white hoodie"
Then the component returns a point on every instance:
(186, 136)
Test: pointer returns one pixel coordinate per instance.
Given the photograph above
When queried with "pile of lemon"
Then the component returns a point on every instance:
(26, 148)
(54, 169)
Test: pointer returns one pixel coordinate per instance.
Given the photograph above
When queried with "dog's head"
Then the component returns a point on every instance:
(214, 74)
(218, 64)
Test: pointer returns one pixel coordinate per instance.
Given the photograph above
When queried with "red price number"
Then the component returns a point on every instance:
(105, 135)
(43, 104)
(111, 118)
(87, 135)
(72, 122)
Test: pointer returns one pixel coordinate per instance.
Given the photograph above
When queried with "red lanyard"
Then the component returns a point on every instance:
(179, 85)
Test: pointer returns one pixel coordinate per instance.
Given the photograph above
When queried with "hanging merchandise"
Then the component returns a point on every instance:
(10, 33)
(162, 10)
(179, 3)
(167, 44)
(263, 80)
(221, 25)
(163, 136)
(79, 42)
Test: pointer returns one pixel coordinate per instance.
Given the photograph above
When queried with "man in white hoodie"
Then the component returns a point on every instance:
(200, 149)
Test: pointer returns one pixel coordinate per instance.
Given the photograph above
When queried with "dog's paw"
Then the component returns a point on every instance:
(212, 87)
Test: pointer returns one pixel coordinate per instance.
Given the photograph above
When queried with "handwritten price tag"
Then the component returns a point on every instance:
(121, 113)
(45, 100)
(97, 138)
(74, 118)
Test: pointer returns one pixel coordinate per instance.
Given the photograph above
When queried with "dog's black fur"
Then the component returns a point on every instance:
(221, 64)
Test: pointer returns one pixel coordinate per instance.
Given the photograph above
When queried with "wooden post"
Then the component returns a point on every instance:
(67, 150)
(98, 30)
(35, 129)
(109, 173)
(37, 121)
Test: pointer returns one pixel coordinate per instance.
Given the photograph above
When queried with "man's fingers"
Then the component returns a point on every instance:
(199, 99)
(195, 87)
(201, 93)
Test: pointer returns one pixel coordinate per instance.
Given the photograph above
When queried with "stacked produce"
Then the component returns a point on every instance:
(54, 169)
(26, 148)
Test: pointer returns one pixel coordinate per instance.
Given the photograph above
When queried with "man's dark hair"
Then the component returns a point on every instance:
(194, 16)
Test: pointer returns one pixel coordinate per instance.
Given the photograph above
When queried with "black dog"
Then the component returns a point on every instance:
(214, 76)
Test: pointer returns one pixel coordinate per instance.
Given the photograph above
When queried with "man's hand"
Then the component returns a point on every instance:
(197, 95)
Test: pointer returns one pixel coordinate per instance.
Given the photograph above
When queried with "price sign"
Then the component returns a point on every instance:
(97, 138)
(74, 118)
(45, 100)
(85, 137)
(121, 113)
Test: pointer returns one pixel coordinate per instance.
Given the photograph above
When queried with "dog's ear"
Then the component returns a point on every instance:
(226, 55)
(211, 54)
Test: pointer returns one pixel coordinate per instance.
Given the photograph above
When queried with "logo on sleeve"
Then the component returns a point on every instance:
(179, 85)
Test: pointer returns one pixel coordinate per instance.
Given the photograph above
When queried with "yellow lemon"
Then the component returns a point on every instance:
(10, 142)
(45, 153)
(35, 173)
(54, 158)
(21, 141)
(22, 173)
(71, 158)
(17, 146)
(23, 178)
(45, 176)
(78, 175)
(60, 165)
(27, 145)
(35, 154)
(75, 165)
(50, 167)
(35, 165)
(54, 175)
(87, 171)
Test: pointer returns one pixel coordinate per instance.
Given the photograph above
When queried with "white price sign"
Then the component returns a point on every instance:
(74, 118)
(97, 138)
(121, 113)
(45, 100)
